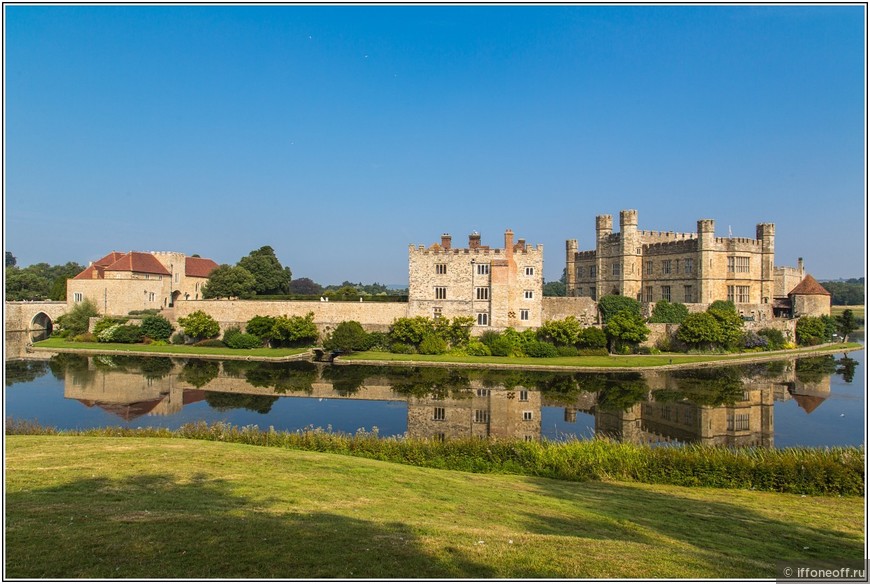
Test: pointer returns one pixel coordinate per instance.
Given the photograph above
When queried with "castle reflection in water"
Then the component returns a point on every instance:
(730, 406)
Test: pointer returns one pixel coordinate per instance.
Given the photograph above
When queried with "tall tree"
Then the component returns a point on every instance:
(271, 277)
(10, 259)
(228, 281)
(305, 286)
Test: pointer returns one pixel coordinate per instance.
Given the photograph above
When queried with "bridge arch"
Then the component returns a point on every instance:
(41, 321)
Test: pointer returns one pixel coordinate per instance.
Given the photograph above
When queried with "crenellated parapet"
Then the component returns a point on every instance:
(671, 247)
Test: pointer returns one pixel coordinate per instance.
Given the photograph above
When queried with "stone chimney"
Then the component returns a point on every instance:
(508, 243)
(474, 240)
(445, 240)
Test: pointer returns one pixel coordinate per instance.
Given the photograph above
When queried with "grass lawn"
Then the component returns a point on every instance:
(88, 507)
(59, 343)
(609, 361)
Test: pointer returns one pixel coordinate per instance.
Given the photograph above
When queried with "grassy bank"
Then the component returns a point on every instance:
(95, 507)
(598, 362)
(56, 343)
(838, 471)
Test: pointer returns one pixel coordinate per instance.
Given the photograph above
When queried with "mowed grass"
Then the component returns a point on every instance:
(81, 507)
(59, 343)
(608, 361)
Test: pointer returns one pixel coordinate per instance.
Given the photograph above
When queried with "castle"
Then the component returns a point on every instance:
(691, 268)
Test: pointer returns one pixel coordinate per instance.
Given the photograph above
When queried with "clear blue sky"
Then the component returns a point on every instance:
(339, 135)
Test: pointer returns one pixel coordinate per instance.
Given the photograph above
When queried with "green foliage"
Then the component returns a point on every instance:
(261, 326)
(499, 345)
(199, 372)
(228, 281)
(477, 349)
(730, 323)
(565, 332)
(199, 325)
(541, 349)
(592, 338)
(626, 327)
(846, 324)
(848, 293)
(667, 312)
(815, 369)
(700, 329)
(10, 260)
(554, 289)
(107, 322)
(433, 345)
(305, 286)
(156, 327)
(86, 338)
(223, 401)
(612, 304)
(567, 351)
(348, 336)
(269, 275)
(178, 338)
(811, 330)
(774, 337)
(234, 338)
(39, 281)
(294, 331)
(403, 348)
(411, 331)
(120, 333)
(455, 332)
(75, 322)
(216, 343)
(343, 293)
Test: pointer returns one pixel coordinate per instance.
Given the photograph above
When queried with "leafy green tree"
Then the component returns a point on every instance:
(667, 312)
(811, 330)
(39, 281)
(592, 338)
(344, 293)
(565, 332)
(612, 304)
(234, 338)
(75, 322)
(456, 331)
(700, 329)
(626, 327)
(199, 372)
(156, 327)
(848, 293)
(775, 339)
(348, 336)
(730, 323)
(411, 330)
(846, 324)
(228, 281)
(295, 330)
(305, 286)
(271, 277)
(261, 326)
(199, 325)
(10, 260)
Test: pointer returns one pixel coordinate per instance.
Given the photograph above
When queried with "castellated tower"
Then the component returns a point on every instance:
(631, 250)
(706, 248)
(765, 232)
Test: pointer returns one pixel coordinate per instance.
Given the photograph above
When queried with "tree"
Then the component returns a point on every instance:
(295, 330)
(10, 260)
(76, 321)
(612, 304)
(348, 336)
(565, 332)
(199, 325)
(305, 286)
(730, 323)
(261, 326)
(666, 312)
(811, 330)
(271, 277)
(228, 281)
(156, 327)
(344, 293)
(846, 324)
(700, 329)
(626, 326)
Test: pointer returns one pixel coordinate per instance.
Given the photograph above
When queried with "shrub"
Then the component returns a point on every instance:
(106, 323)
(199, 325)
(75, 322)
(752, 340)
(433, 345)
(295, 331)
(210, 343)
(379, 341)
(592, 338)
(565, 332)
(348, 336)
(626, 327)
(456, 332)
(775, 339)
(178, 338)
(402, 348)
(477, 349)
(811, 330)
(85, 338)
(156, 327)
(121, 333)
(234, 338)
(541, 349)
(612, 304)
(261, 326)
(566, 351)
(411, 331)
(668, 312)
(730, 323)
(158, 343)
(592, 352)
(700, 329)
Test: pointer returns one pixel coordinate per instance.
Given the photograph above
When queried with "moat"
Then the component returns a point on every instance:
(815, 401)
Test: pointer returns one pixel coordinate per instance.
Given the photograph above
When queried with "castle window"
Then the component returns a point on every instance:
(152, 296)
(527, 416)
(615, 269)
(482, 269)
(688, 265)
(440, 268)
(649, 293)
(482, 319)
(77, 297)
(481, 416)
(738, 422)
(176, 276)
(579, 271)
(440, 293)
(666, 266)
(579, 291)
(481, 293)
(524, 395)
(524, 314)
(592, 292)
(592, 271)
(738, 264)
(436, 312)
(529, 294)
(666, 293)
(649, 267)
(687, 294)
(731, 293)
(743, 294)
(530, 271)
(482, 392)
(438, 415)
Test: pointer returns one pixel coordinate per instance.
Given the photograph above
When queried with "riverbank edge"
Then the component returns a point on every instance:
(416, 361)
(720, 361)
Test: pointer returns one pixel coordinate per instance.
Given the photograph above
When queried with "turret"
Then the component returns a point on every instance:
(603, 226)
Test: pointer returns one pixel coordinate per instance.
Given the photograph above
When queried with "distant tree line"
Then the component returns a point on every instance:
(39, 281)
(846, 292)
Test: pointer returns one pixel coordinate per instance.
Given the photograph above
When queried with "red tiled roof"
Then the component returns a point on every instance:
(109, 259)
(808, 402)
(93, 272)
(140, 262)
(198, 267)
(809, 287)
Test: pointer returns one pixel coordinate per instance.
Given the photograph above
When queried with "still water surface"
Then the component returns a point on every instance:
(807, 402)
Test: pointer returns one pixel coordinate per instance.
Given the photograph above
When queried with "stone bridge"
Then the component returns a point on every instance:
(28, 316)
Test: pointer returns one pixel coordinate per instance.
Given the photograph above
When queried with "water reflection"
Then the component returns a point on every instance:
(725, 406)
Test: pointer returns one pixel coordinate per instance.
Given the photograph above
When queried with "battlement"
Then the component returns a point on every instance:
(743, 240)
(667, 235)
(670, 247)
(584, 255)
